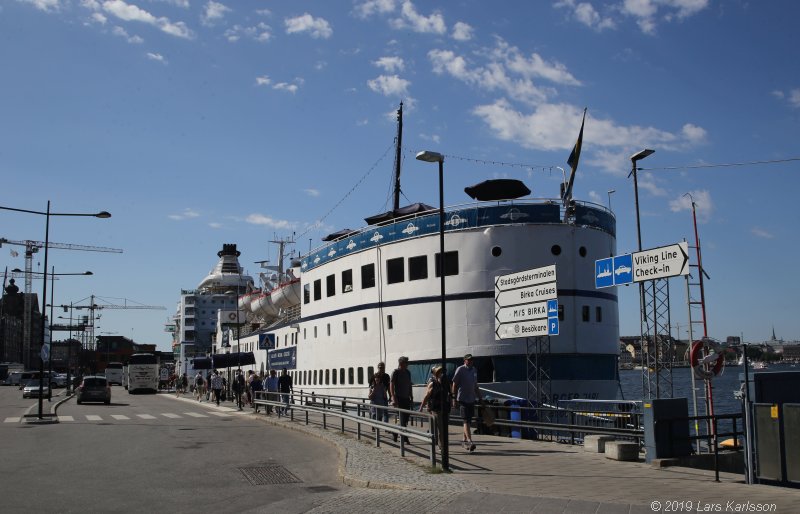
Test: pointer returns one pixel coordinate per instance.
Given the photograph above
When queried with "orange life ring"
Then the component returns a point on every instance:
(705, 367)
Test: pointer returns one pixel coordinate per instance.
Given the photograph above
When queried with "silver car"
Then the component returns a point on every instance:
(31, 389)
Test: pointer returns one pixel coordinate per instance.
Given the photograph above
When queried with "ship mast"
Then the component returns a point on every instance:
(398, 157)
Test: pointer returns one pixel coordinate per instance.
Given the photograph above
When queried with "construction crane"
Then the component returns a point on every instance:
(88, 321)
(32, 247)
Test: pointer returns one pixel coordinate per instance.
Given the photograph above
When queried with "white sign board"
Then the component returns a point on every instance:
(526, 303)
(663, 262)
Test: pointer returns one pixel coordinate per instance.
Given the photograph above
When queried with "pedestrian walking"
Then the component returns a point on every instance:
(239, 385)
(378, 395)
(248, 391)
(216, 386)
(256, 386)
(286, 389)
(402, 393)
(199, 386)
(465, 393)
(437, 400)
(272, 389)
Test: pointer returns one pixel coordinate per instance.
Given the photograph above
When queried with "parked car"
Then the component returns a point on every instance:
(31, 389)
(93, 389)
(59, 380)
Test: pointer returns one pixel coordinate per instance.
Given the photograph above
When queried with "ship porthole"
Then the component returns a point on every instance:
(496, 251)
(556, 250)
(582, 251)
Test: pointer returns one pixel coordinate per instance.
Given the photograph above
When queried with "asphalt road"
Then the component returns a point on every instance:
(149, 453)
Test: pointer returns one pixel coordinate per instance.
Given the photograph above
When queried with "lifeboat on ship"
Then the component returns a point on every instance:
(262, 306)
(287, 294)
(247, 299)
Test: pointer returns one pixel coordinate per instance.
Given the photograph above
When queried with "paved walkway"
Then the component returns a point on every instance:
(515, 475)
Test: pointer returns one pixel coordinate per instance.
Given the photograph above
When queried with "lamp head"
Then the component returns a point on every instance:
(641, 155)
(429, 156)
(103, 214)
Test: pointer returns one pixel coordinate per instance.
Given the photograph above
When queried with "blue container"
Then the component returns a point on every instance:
(514, 414)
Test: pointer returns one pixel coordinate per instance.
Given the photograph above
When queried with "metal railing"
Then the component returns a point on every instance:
(354, 410)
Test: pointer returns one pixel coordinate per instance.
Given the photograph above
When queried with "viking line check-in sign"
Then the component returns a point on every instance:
(656, 263)
(526, 303)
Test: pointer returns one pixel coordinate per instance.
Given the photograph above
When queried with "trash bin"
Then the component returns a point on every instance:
(515, 414)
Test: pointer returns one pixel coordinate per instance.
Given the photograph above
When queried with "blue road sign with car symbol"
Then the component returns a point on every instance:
(623, 269)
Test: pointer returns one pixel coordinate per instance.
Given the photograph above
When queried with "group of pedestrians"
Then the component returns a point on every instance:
(441, 394)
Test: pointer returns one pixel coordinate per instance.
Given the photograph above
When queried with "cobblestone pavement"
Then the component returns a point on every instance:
(513, 475)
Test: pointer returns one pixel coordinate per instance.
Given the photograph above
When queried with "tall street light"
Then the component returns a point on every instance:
(642, 307)
(47, 214)
(610, 192)
(428, 156)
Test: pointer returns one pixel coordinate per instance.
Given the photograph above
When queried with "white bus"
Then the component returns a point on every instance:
(142, 375)
(114, 373)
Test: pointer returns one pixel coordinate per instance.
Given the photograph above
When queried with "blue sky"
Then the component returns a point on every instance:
(199, 123)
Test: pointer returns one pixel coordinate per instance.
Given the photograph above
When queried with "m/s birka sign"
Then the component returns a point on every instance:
(526, 303)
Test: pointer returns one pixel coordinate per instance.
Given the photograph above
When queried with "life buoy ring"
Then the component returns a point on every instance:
(232, 316)
(705, 367)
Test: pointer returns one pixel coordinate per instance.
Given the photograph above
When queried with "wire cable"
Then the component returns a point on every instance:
(727, 165)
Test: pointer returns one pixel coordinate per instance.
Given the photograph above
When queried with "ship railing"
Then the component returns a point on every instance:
(356, 411)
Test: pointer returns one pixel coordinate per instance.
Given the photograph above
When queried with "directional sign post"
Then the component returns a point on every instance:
(526, 303)
(656, 263)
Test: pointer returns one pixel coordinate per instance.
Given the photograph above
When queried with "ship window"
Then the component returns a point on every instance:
(347, 281)
(364, 323)
(370, 374)
(317, 290)
(330, 285)
(389, 322)
(598, 314)
(327, 377)
(560, 312)
(333, 376)
(585, 313)
(351, 377)
(305, 378)
(341, 376)
(315, 331)
(394, 271)
(367, 276)
(344, 326)
(418, 267)
(360, 375)
(304, 333)
(496, 251)
(329, 329)
(450, 264)
(315, 377)
(306, 293)
(582, 251)
(555, 250)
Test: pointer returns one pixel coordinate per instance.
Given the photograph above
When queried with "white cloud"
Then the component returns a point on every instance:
(94, 5)
(595, 197)
(285, 86)
(213, 12)
(130, 12)
(760, 232)
(370, 7)
(650, 183)
(552, 126)
(186, 214)
(311, 192)
(389, 85)
(585, 13)
(260, 32)
(462, 31)
(99, 18)
(120, 32)
(316, 27)
(45, 5)
(156, 57)
(390, 64)
(435, 138)
(260, 219)
(794, 97)
(702, 201)
(215, 224)
(263, 80)
(411, 19)
(648, 12)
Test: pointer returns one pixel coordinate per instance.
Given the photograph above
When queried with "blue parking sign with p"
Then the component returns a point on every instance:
(552, 326)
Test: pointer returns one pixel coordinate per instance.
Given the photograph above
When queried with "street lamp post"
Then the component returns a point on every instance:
(428, 156)
(47, 214)
(610, 192)
(642, 307)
